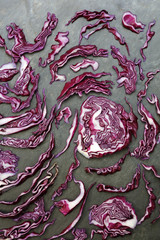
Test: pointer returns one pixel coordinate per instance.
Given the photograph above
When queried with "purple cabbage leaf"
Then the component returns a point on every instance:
(84, 64)
(36, 138)
(32, 118)
(80, 50)
(152, 128)
(21, 45)
(62, 39)
(129, 187)
(151, 205)
(149, 36)
(128, 77)
(65, 206)
(8, 71)
(29, 171)
(108, 170)
(86, 82)
(129, 21)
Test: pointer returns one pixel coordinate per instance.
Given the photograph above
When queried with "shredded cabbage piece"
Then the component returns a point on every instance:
(149, 36)
(62, 39)
(21, 45)
(36, 138)
(128, 77)
(80, 50)
(86, 82)
(129, 21)
(129, 187)
(151, 206)
(108, 170)
(152, 128)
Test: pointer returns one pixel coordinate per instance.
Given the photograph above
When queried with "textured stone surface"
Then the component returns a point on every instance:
(30, 16)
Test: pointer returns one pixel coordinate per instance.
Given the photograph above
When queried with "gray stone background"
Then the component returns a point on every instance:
(30, 15)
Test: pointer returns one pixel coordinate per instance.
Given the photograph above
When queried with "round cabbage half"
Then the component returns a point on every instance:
(104, 127)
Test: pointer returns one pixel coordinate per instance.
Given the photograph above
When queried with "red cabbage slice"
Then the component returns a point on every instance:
(69, 176)
(33, 118)
(103, 18)
(64, 113)
(84, 64)
(66, 206)
(35, 139)
(108, 170)
(150, 77)
(27, 114)
(2, 41)
(34, 234)
(71, 134)
(80, 50)
(16, 103)
(40, 189)
(151, 206)
(90, 26)
(21, 85)
(129, 187)
(3, 89)
(79, 234)
(80, 78)
(26, 76)
(152, 128)
(13, 101)
(138, 63)
(154, 170)
(129, 21)
(39, 211)
(128, 77)
(8, 164)
(112, 30)
(9, 52)
(88, 15)
(16, 232)
(47, 215)
(117, 36)
(6, 120)
(86, 82)
(75, 221)
(62, 39)
(115, 217)
(8, 71)
(155, 101)
(29, 171)
(39, 215)
(34, 183)
(149, 36)
(21, 45)
(26, 103)
(105, 127)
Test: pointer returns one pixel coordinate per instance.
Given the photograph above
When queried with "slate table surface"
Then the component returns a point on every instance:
(30, 16)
